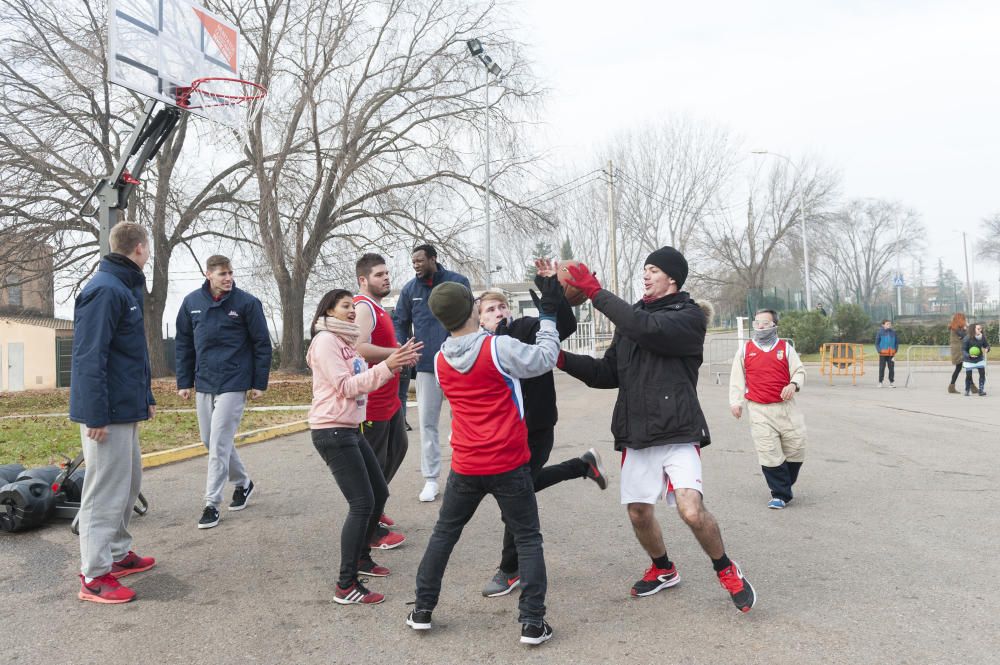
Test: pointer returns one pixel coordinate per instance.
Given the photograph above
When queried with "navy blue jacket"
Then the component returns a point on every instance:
(222, 345)
(413, 318)
(110, 381)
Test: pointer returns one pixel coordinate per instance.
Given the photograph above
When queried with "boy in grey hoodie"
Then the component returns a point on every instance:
(480, 375)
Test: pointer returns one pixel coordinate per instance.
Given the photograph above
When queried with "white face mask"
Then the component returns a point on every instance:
(766, 336)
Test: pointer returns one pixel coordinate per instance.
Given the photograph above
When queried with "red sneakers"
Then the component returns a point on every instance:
(369, 567)
(357, 594)
(655, 579)
(105, 589)
(385, 521)
(132, 563)
(732, 580)
(389, 541)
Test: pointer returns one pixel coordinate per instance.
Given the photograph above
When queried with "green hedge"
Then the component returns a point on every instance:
(937, 335)
(808, 329)
(853, 324)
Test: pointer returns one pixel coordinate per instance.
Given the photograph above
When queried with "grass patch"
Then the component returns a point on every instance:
(869, 350)
(34, 441)
(291, 391)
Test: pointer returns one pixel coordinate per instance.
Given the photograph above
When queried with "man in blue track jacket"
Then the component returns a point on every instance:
(223, 350)
(110, 394)
(413, 318)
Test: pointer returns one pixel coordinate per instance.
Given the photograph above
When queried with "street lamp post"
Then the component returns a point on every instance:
(802, 218)
(492, 68)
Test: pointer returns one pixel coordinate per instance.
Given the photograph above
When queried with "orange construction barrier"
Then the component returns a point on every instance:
(842, 359)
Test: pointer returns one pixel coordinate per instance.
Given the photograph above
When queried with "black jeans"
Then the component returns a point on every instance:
(982, 378)
(359, 477)
(540, 443)
(515, 494)
(883, 362)
(388, 441)
(404, 391)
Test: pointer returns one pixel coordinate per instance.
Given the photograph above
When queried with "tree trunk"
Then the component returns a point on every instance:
(293, 294)
(156, 302)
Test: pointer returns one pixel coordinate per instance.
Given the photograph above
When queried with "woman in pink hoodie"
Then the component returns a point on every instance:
(341, 383)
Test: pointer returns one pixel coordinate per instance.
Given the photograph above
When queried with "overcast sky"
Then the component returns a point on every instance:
(901, 97)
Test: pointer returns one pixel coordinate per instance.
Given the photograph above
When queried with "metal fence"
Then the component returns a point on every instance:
(719, 354)
(921, 358)
(586, 341)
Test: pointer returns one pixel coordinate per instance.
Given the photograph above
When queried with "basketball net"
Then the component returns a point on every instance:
(231, 102)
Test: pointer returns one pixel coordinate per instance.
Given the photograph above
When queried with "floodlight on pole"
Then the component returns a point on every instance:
(492, 68)
(802, 218)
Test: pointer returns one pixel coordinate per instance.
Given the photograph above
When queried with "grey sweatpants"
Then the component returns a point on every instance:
(110, 488)
(429, 398)
(218, 418)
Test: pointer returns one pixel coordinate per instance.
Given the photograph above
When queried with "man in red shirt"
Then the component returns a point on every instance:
(767, 373)
(480, 375)
(383, 427)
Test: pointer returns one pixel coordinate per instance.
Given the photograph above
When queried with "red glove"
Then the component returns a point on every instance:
(581, 277)
(561, 360)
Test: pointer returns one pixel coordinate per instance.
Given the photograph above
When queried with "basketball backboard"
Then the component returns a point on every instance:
(158, 46)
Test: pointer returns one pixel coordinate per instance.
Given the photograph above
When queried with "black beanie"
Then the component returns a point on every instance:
(670, 261)
(451, 303)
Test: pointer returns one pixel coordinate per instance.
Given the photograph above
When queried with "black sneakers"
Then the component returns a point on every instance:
(240, 497)
(654, 580)
(209, 517)
(535, 634)
(419, 619)
(732, 580)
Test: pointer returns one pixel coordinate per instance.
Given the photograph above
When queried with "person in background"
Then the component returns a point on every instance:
(956, 334)
(886, 345)
(974, 349)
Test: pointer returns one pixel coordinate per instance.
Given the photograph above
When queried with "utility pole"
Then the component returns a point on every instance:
(968, 280)
(612, 231)
(489, 230)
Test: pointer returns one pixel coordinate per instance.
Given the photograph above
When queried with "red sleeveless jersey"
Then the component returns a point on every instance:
(384, 402)
(766, 372)
(488, 434)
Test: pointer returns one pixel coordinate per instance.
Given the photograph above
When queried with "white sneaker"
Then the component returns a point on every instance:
(879, 384)
(429, 491)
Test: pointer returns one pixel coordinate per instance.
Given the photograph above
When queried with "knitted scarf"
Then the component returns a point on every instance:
(345, 330)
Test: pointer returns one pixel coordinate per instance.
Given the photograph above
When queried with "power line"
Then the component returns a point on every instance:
(668, 202)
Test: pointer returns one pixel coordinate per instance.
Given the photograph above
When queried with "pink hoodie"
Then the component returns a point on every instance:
(341, 382)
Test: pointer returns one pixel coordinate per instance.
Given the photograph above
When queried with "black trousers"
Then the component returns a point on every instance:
(359, 477)
(515, 494)
(883, 362)
(982, 378)
(954, 375)
(388, 441)
(540, 443)
(781, 478)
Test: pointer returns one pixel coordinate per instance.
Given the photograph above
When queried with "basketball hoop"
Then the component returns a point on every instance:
(228, 101)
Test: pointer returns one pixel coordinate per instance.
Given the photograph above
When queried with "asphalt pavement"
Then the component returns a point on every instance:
(885, 556)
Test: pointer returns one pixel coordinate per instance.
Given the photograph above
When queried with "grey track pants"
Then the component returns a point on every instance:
(218, 418)
(110, 488)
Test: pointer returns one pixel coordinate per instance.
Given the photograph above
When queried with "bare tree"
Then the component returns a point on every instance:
(361, 140)
(871, 236)
(989, 248)
(62, 127)
(743, 250)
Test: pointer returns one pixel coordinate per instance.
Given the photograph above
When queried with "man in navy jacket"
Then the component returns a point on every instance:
(110, 394)
(413, 318)
(223, 350)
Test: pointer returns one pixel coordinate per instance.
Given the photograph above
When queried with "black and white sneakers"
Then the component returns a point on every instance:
(209, 517)
(240, 497)
(535, 635)
(419, 619)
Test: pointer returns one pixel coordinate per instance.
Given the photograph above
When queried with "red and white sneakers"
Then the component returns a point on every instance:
(105, 589)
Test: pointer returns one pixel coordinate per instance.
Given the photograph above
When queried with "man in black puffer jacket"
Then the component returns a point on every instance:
(658, 424)
(540, 416)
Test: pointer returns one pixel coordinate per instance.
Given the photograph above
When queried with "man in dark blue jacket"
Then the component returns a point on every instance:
(413, 318)
(223, 350)
(110, 394)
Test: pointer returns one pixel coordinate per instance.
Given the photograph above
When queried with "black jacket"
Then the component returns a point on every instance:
(539, 392)
(653, 360)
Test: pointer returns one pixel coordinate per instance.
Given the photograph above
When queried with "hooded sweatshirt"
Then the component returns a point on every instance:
(480, 375)
(341, 382)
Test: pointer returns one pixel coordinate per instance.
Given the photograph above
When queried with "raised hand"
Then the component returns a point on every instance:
(582, 278)
(405, 356)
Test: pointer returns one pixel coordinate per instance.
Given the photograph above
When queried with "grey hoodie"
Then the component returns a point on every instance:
(520, 360)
